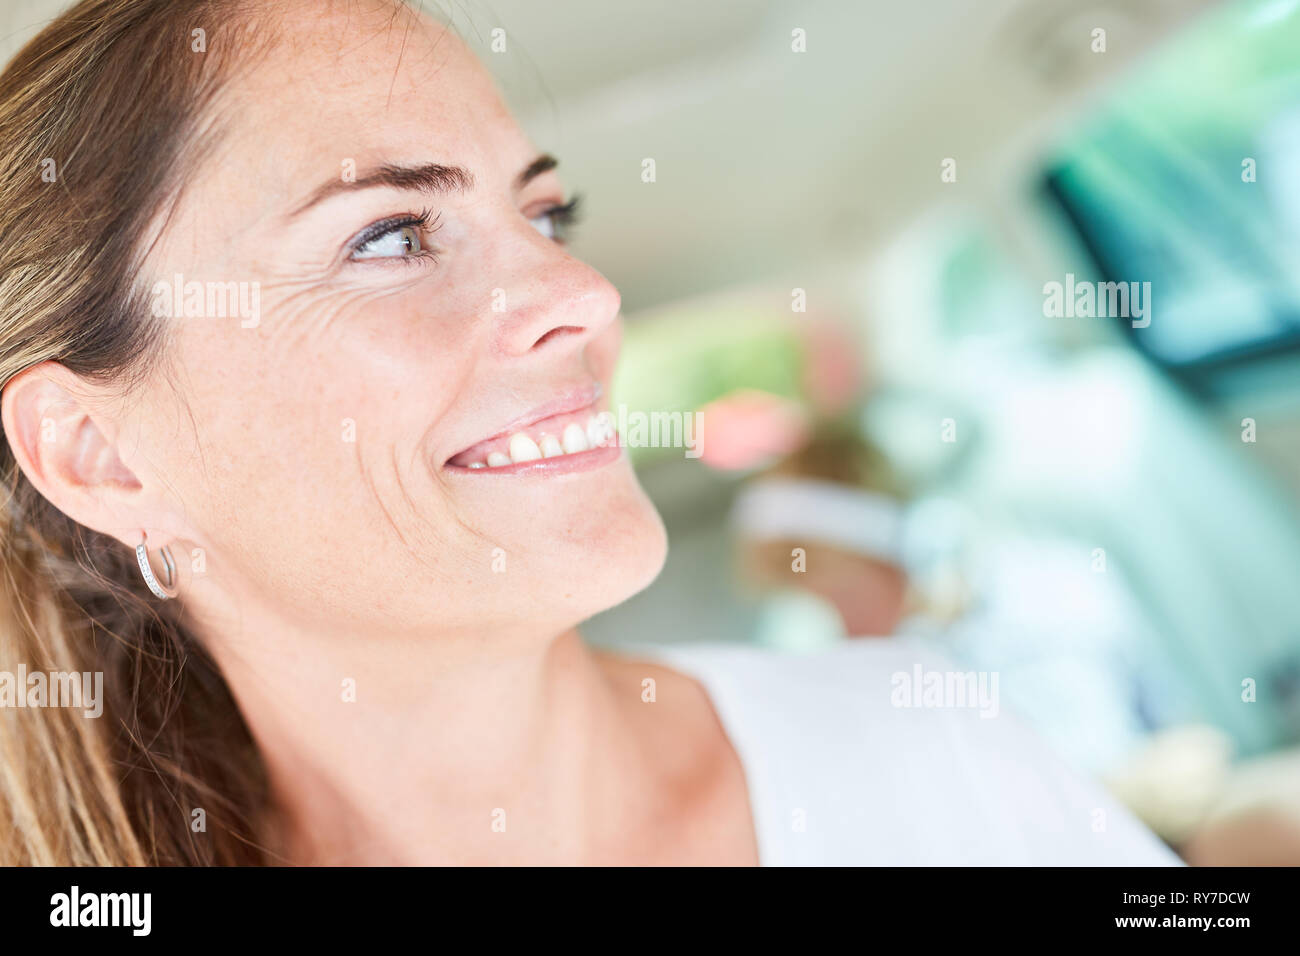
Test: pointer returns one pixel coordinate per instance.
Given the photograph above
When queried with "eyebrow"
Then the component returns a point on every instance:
(427, 177)
(542, 164)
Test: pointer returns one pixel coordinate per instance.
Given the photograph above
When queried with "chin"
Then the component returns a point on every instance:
(605, 554)
(555, 550)
(638, 552)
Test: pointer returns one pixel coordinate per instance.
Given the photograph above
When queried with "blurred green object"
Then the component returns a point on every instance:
(798, 622)
(685, 358)
(1187, 180)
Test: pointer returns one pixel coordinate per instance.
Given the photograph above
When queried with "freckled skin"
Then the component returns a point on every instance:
(402, 685)
(410, 352)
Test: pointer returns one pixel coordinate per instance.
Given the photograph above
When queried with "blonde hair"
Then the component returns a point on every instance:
(111, 101)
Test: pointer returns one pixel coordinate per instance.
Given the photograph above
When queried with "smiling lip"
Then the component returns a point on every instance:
(559, 465)
(565, 434)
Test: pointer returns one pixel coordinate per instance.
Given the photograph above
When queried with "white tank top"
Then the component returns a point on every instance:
(859, 756)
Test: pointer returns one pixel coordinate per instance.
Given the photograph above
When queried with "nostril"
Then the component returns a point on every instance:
(557, 332)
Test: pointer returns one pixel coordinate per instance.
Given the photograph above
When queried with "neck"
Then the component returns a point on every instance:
(445, 750)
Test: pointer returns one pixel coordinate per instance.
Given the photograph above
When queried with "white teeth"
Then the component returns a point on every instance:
(523, 448)
(598, 430)
(575, 439)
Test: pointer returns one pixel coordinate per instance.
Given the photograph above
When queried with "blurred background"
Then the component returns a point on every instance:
(834, 224)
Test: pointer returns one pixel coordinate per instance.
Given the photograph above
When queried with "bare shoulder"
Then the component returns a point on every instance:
(671, 709)
(708, 817)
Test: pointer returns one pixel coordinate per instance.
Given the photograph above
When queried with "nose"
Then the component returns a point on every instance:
(556, 302)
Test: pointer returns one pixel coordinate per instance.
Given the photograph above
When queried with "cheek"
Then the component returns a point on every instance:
(306, 462)
(314, 425)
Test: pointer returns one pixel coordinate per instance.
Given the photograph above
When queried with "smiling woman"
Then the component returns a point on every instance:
(384, 508)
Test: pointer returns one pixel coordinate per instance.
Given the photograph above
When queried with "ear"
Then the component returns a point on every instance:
(65, 444)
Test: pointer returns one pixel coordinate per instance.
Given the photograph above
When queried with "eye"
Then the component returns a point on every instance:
(557, 222)
(545, 224)
(402, 237)
(396, 243)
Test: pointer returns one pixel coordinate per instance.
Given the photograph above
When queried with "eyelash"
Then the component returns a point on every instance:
(564, 217)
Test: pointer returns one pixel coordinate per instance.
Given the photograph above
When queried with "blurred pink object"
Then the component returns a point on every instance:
(833, 374)
(749, 428)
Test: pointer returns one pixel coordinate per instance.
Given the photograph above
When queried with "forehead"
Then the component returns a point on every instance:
(362, 84)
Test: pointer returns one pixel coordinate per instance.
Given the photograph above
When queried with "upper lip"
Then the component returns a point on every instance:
(572, 399)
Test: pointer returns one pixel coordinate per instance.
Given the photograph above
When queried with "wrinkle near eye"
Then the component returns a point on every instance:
(296, 312)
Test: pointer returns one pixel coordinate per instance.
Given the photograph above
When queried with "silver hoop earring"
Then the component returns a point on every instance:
(169, 569)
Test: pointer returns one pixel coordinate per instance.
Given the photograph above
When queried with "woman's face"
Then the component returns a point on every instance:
(413, 305)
